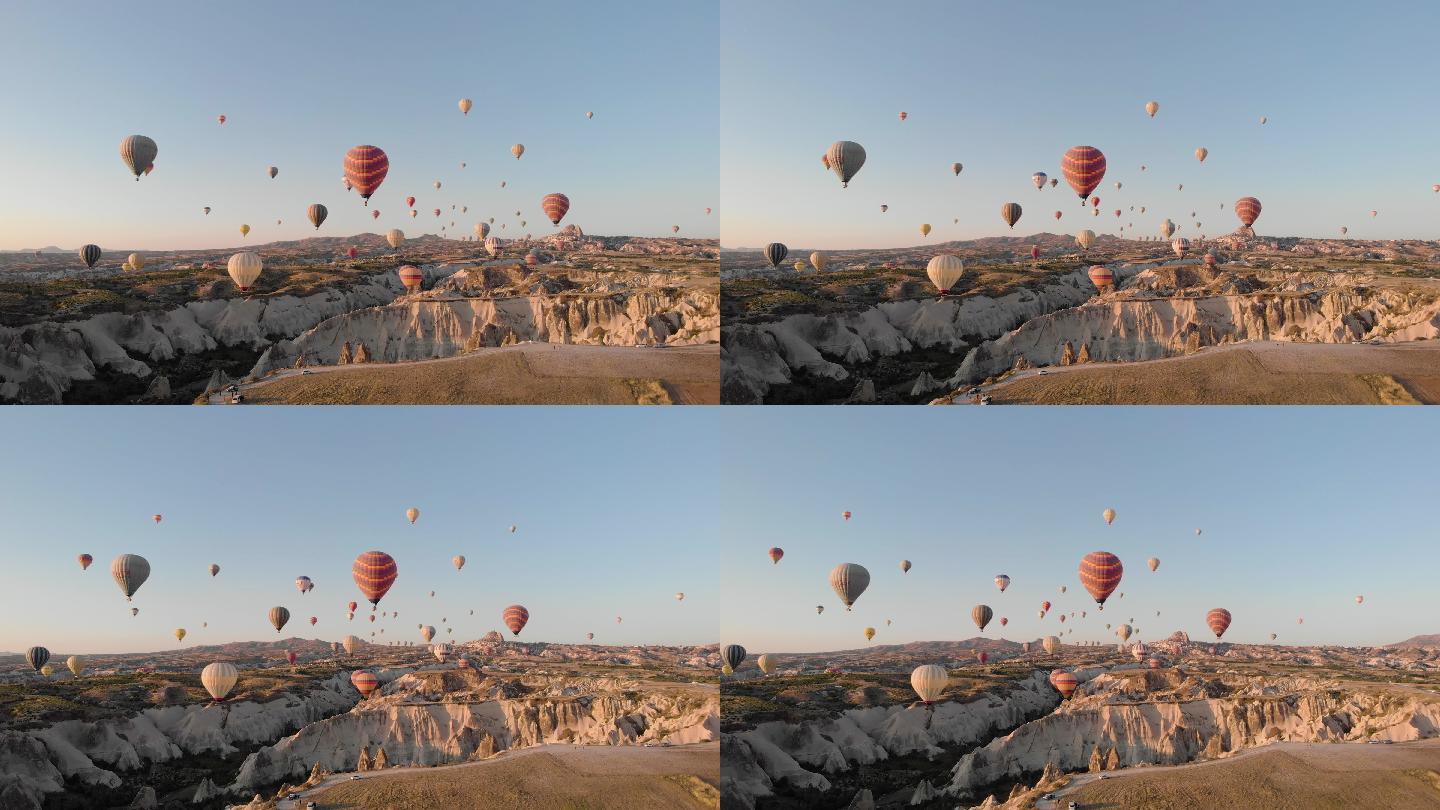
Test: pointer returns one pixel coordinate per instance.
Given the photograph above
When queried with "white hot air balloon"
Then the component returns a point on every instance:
(244, 268)
(929, 681)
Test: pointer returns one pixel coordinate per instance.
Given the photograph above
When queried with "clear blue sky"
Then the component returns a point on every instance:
(1301, 509)
(612, 507)
(1006, 88)
(301, 83)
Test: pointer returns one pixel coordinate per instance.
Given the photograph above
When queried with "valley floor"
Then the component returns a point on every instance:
(547, 777)
(532, 373)
(1252, 373)
(1283, 776)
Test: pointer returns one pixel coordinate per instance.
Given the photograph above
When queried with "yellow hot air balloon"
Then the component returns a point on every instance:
(929, 681)
(1201, 153)
(76, 664)
(218, 679)
(395, 236)
(517, 150)
(244, 230)
(179, 634)
(1152, 107)
(925, 229)
(465, 106)
(818, 261)
(945, 271)
(766, 663)
(869, 633)
(1154, 563)
(799, 266)
(1085, 239)
(244, 268)
(136, 261)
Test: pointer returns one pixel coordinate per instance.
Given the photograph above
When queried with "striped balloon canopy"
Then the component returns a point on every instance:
(1100, 573)
(374, 573)
(365, 168)
(555, 206)
(515, 618)
(1084, 168)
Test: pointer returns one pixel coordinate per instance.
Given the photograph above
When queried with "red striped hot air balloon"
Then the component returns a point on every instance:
(1100, 573)
(1084, 168)
(555, 206)
(1102, 277)
(1219, 620)
(365, 168)
(364, 682)
(374, 573)
(1248, 210)
(515, 618)
(411, 277)
(776, 553)
(1064, 683)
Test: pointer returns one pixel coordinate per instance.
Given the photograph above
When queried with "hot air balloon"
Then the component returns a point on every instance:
(1360, 600)
(845, 158)
(1152, 107)
(1050, 643)
(76, 664)
(956, 168)
(244, 230)
(427, 632)
(1039, 179)
(179, 634)
(139, 153)
(492, 246)
(515, 618)
(218, 679)
(1218, 619)
(1123, 631)
(317, 213)
(679, 596)
(1201, 154)
(1100, 573)
(766, 663)
(775, 554)
(411, 277)
(981, 615)
(517, 150)
(869, 633)
(374, 573)
(244, 267)
(482, 230)
(350, 643)
(944, 272)
(1263, 119)
(732, 655)
(1084, 168)
(465, 106)
(130, 572)
(554, 206)
(1209, 262)
(1010, 212)
(818, 261)
(1248, 210)
(278, 617)
(364, 682)
(36, 657)
(134, 611)
(1181, 246)
(90, 254)
(849, 581)
(85, 560)
(904, 566)
(776, 253)
(1045, 606)
(929, 681)
(1085, 238)
(1167, 228)
(845, 515)
(365, 169)
(313, 620)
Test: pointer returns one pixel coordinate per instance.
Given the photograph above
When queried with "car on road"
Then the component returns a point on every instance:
(1049, 797)
(1043, 372)
(355, 778)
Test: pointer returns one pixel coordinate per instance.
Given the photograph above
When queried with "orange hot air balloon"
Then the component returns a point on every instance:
(1102, 276)
(157, 518)
(515, 618)
(1100, 573)
(1219, 620)
(353, 605)
(1095, 202)
(365, 168)
(374, 573)
(1064, 683)
(1045, 606)
(775, 554)
(85, 560)
(1248, 210)
(411, 277)
(364, 682)
(845, 515)
(1084, 168)
(555, 206)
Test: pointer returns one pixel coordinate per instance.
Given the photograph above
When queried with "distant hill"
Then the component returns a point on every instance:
(1431, 641)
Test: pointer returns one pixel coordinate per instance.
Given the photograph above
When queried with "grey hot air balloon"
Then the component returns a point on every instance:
(981, 615)
(846, 158)
(732, 655)
(278, 617)
(36, 657)
(849, 581)
(317, 214)
(130, 572)
(776, 253)
(139, 153)
(90, 254)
